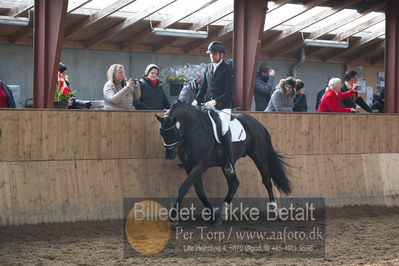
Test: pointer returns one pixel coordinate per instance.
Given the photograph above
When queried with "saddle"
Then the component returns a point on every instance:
(236, 128)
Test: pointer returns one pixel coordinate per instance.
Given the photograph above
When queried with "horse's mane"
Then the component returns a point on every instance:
(182, 106)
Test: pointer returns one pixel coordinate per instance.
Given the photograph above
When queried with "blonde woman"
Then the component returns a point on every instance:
(333, 98)
(282, 99)
(119, 93)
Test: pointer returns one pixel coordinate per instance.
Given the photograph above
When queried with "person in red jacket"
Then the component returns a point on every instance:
(333, 98)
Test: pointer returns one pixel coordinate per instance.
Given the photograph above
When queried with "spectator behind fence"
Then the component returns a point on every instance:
(63, 84)
(6, 96)
(152, 95)
(190, 89)
(378, 102)
(283, 97)
(263, 86)
(300, 104)
(119, 93)
(321, 93)
(351, 83)
(333, 98)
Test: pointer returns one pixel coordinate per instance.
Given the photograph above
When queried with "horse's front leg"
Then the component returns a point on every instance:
(233, 183)
(192, 178)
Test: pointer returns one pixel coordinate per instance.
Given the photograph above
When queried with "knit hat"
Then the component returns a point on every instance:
(289, 82)
(299, 85)
(149, 67)
(61, 67)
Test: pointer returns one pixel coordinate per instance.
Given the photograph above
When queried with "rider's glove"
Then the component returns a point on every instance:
(194, 103)
(210, 105)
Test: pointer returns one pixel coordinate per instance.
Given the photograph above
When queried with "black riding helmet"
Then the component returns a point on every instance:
(215, 47)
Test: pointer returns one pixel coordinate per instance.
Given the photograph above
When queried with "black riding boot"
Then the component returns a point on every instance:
(228, 151)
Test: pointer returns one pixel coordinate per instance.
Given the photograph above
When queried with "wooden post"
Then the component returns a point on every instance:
(48, 36)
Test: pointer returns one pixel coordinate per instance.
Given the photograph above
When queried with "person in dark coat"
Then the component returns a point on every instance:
(6, 96)
(152, 95)
(263, 86)
(378, 102)
(190, 90)
(321, 93)
(216, 94)
(351, 83)
(300, 104)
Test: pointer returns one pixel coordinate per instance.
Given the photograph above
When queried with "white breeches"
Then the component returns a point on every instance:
(224, 116)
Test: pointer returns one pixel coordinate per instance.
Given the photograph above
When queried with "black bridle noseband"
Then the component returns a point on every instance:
(171, 146)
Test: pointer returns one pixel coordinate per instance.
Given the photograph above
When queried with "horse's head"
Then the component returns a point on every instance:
(172, 134)
(180, 116)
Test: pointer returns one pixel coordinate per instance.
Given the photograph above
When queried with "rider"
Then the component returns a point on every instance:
(217, 89)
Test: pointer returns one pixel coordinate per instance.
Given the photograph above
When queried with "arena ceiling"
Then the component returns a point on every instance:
(128, 25)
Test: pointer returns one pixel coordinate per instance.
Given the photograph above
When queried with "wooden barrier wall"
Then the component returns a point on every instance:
(62, 165)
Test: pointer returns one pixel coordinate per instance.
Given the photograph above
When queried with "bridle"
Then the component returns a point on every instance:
(171, 146)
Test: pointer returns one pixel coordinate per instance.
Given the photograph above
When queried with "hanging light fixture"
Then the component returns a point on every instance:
(14, 21)
(326, 43)
(180, 33)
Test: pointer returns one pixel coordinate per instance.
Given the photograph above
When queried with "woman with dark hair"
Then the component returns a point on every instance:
(283, 97)
(152, 95)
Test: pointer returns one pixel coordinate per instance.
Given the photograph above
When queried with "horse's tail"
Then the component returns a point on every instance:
(277, 167)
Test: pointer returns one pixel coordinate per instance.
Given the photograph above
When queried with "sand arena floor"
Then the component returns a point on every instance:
(354, 235)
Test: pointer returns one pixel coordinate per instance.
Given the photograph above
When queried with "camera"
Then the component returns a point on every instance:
(79, 104)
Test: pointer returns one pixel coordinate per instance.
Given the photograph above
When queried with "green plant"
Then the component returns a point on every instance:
(176, 79)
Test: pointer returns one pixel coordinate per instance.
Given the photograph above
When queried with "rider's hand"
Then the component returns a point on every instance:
(194, 103)
(353, 110)
(210, 104)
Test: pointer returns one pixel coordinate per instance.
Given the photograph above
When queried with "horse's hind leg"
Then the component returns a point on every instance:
(233, 183)
(266, 177)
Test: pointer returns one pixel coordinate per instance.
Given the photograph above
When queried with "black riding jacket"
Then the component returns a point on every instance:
(217, 86)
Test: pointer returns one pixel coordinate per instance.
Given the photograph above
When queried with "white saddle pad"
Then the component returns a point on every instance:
(236, 128)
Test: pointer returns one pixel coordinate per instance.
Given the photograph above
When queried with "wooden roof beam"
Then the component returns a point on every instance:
(147, 11)
(215, 36)
(378, 33)
(369, 51)
(227, 29)
(76, 5)
(27, 30)
(20, 8)
(308, 22)
(302, 9)
(360, 27)
(378, 58)
(222, 12)
(170, 20)
(328, 28)
(105, 12)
